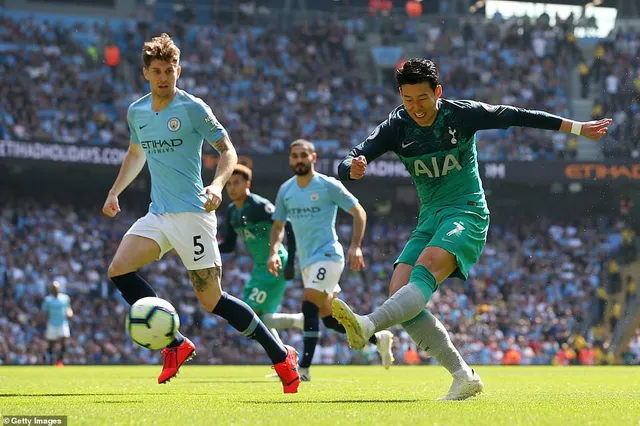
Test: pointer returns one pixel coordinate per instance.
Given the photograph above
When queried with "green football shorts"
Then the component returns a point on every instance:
(264, 292)
(459, 231)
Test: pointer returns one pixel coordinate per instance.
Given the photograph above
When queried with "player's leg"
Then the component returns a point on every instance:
(206, 284)
(264, 293)
(382, 339)
(431, 336)
(143, 243)
(65, 334)
(194, 238)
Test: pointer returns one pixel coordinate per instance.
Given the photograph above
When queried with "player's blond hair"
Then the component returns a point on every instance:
(307, 145)
(162, 48)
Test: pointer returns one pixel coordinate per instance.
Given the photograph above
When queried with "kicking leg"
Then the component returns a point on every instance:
(382, 339)
(206, 283)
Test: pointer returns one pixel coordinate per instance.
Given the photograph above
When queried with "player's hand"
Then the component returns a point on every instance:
(214, 197)
(358, 167)
(289, 271)
(595, 129)
(355, 258)
(274, 264)
(111, 206)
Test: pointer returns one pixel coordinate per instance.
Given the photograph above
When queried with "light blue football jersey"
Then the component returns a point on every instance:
(56, 308)
(312, 213)
(172, 139)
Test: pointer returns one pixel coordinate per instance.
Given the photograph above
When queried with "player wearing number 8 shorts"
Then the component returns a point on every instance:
(310, 201)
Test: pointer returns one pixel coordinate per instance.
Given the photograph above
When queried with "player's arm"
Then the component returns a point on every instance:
(483, 116)
(228, 244)
(208, 126)
(131, 167)
(347, 202)
(289, 269)
(279, 217)
(228, 160)
(381, 140)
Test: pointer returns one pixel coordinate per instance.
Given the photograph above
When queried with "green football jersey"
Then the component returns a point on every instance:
(252, 222)
(442, 158)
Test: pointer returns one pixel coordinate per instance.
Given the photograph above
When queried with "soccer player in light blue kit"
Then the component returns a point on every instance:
(168, 127)
(57, 305)
(310, 201)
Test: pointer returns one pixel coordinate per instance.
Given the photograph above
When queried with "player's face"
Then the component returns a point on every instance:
(237, 187)
(162, 77)
(420, 102)
(301, 160)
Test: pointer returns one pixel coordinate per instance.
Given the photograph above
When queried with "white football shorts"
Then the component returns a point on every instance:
(323, 276)
(191, 234)
(55, 332)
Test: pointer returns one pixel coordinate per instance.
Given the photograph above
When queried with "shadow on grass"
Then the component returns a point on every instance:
(339, 401)
(117, 402)
(40, 395)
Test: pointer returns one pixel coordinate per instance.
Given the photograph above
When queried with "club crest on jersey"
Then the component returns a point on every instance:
(453, 136)
(314, 196)
(174, 124)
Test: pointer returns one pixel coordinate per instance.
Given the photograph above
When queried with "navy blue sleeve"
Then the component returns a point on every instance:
(228, 244)
(381, 140)
(481, 116)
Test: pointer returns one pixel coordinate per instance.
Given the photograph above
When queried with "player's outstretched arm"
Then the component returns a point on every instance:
(274, 264)
(131, 167)
(483, 116)
(354, 255)
(228, 160)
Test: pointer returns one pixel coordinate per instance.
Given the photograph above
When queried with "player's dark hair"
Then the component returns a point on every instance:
(307, 145)
(162, 48)
(416, 71)
(243, 171)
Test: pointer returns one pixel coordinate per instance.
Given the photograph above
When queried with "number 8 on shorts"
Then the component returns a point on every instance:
(323, 276)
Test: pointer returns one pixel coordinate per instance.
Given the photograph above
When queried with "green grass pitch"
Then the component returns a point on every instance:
(338, 395)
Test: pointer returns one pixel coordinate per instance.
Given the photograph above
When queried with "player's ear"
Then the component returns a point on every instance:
(145, 72)
(438, 91)
(178, 72)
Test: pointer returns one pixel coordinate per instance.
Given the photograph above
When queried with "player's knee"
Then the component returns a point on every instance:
(117, 268)
(435, 258)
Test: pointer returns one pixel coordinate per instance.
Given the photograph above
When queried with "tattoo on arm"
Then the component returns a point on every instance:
(202, 279)
(222, 145)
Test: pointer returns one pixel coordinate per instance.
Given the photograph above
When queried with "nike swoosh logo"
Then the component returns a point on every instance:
(404, 145)
(293, 381)
(142, 127)
(446, 240)
(195, 259)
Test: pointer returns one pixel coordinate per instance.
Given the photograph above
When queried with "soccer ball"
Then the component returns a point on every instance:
(152, 322)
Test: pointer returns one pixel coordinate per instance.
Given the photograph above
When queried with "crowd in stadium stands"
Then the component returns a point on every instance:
(526, 301)
(615, 70)
(268, 87)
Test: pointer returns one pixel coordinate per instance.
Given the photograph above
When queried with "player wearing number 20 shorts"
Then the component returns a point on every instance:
(310, 201)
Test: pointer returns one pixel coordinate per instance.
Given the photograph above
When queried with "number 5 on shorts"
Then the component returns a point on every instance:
(198, 248)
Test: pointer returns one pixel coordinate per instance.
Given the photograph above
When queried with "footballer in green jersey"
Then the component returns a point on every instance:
(249, 216)
(435, 140)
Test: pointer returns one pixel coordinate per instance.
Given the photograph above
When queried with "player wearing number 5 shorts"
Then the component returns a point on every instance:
(310, 201)
(249, 216)
(168, 128)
